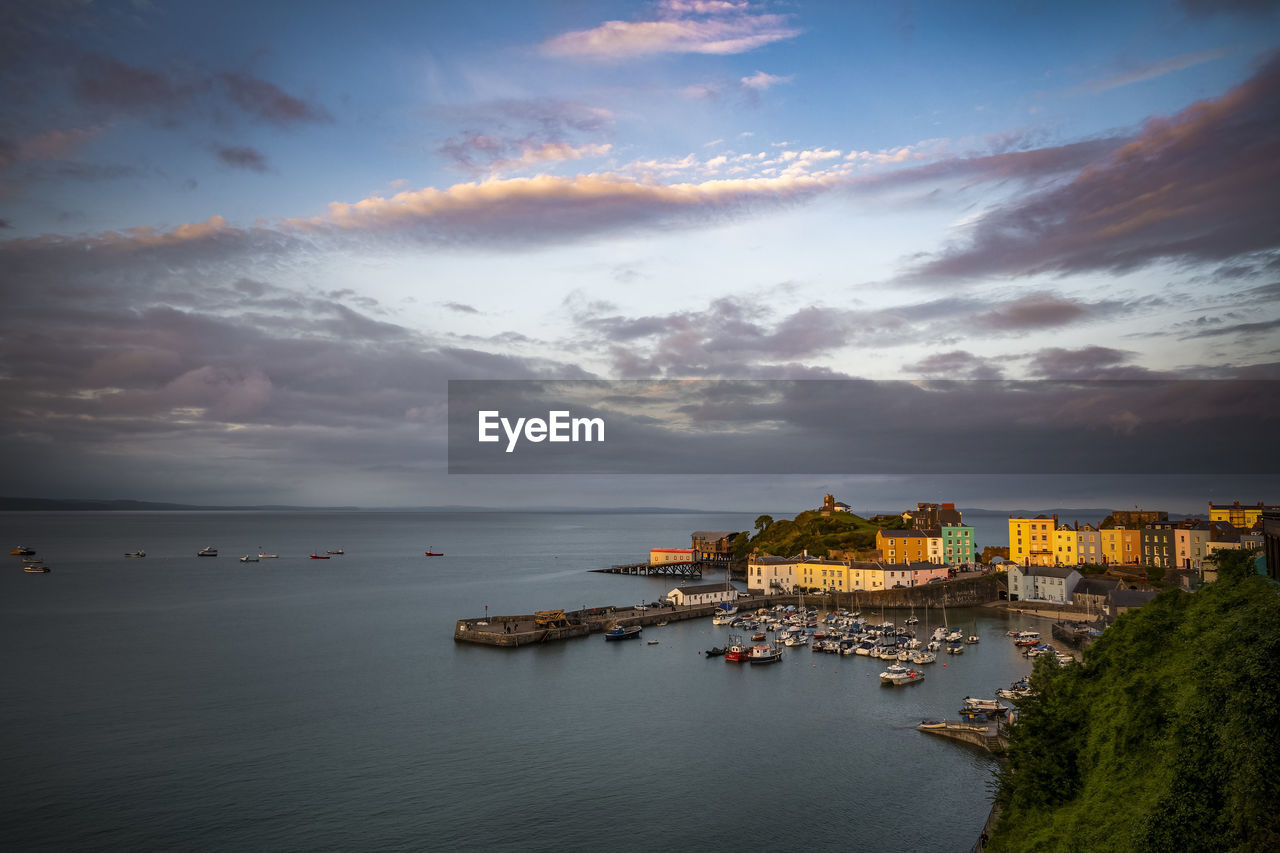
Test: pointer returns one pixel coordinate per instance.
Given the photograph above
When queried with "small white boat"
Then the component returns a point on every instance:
(263, 555)
(207, 551)
(247, 559)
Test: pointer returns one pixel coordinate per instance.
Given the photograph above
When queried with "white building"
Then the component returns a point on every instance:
(769, 574)
(714, 593)
(1042, 583)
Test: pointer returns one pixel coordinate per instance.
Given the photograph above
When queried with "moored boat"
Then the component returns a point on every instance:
(22, 551)
(431, 553)
(336, 551)
(896, 675)
(714, 652)
(932, 724)
(623, 632)
(137, 553)
(764, 653)
(737, 651)
(248, 559)
(207, 551)
(36, 569)
(316, 556)
(263, 555)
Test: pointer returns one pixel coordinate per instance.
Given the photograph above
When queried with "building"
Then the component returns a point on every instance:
(1137, 517)
(1031, 540)
(831, 505)
(1042, 583)
(711, 545)
(1092, 591)
(1190, 541)
(1158, 550)
(714, 593)
(1123, 600)
(666, 556)
(1089, 545)
(1065, 539)
(1120, 546)
(823, 574)
(769, 574)
(923, 573)
(903, 546)
(933, 516)
(1270, 524)
(1239, 516)
(957, 544)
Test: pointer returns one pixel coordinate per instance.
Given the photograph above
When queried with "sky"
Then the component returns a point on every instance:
(245, 246)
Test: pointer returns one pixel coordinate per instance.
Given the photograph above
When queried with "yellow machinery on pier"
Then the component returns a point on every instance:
(551, 619)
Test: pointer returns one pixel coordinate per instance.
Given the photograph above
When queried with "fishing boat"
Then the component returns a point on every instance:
(22, 551)
(431, 553)
(36, 569)
(207, 551)
(737, 651)
(623, 632)
(336, 551)
(137, 553)
(764, 653)
(714, 652)
(316, 556)
(248, 559)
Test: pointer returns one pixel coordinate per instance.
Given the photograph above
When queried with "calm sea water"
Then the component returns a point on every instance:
(174, 702)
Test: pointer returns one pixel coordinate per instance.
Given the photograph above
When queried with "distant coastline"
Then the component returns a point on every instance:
(15, 504)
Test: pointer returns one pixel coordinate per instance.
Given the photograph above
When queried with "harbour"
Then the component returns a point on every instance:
(173, 702)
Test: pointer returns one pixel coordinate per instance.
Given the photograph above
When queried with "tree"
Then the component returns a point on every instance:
(763, 522)
(1233, 564)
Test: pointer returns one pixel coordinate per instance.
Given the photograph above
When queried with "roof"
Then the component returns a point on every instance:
(705, 587)
(1096, 586)
(1045, 571)
(1130, 597)
(672, 550)
(903, 533)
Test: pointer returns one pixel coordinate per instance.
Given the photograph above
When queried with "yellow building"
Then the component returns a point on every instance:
(1031, 540)
(1119, 545)
(825, 575)
(903, 546)
(1066, 542)
(1238, 516)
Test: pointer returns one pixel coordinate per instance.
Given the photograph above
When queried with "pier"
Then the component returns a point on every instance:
(984, 736)
(692, 569)
(536, 628)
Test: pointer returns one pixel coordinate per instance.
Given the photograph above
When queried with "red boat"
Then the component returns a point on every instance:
(737, 651)
(319, 556)
(435, 553)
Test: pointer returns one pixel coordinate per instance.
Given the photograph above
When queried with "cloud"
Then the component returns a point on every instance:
(265, 100)
(242, 157)
(682, 27)
(760, 81)
(1090, 363)
(121, 88)
(1156, 69)
(956, 364)
(461, 308)
(515, 210)
(1197, 187)
(1034, 311)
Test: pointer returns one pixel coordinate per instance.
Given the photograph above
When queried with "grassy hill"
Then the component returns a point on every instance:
(1162, 739)
(820, 535)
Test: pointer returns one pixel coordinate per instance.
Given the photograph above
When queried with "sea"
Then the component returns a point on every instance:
(176, 702)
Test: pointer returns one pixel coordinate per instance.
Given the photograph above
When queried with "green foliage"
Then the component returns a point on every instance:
(1234, 564)
(1162, 739)
(763, 522)
(741, 545)
(816, 533)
